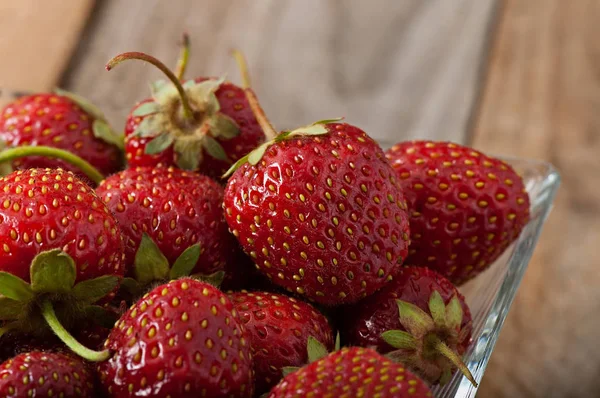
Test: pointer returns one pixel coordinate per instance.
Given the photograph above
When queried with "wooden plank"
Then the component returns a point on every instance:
(398, 69)
(36, 41)
(541, 100)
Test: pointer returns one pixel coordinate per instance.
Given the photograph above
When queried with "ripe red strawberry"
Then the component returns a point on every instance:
(176, 210)
(465, 207)
(45, 374)
(60, 249)
(62, 120)
(351, 372)
(183, 339)
(279, 328)
(52, 209)
(203, 124)
(320, 212)
(368, 323)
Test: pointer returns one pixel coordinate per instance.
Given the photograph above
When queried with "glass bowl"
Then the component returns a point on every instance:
(491, 293)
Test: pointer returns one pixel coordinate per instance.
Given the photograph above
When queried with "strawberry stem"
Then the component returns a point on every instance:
(184, 55)
(187, 109)
(442, 348)
(51, 152)
(259, 113)
(62, 333)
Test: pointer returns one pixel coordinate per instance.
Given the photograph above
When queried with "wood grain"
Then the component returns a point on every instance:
(541, 100)
(398, 69)
(36, 41)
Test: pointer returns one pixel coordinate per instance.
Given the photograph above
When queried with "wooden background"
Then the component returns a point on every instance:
(516, 77)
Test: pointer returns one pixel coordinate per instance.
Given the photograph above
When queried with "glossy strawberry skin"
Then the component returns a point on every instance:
(45, 209)
(363, 323)
(233, 103)
(352, 372)
(321, 216)
(183, 339)
(56, 121)
(45, 374)
(175, 208)
(279, 328)
(465, 207)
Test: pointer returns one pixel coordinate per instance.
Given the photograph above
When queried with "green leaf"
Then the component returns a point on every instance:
(399, 339)
(11, 309)
(189, 84)
(53, 271)
(316, 349)
(327, 121)
(416, 321)
(101, 316)
(214, 279)
(148, 127)
(82, 103)
(214, 149)
(147, 108)
(189, 153)
(454, 314)
(437, 308)
(159, 144)
(92, 290)
(131, 286)
(256, 155)
(235, 166)
(149, 263)
(286, 370)
(203, 93)
(14, 287)
(337, 342)
(223, 126)
(186, 262)
(164, 94)
(103, 131)
(316, 129)
(158, 85)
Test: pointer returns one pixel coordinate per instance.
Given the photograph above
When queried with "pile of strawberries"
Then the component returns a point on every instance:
(228, 260)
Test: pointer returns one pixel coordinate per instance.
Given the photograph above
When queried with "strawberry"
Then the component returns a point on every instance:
(351, 372)
(173, 218)
(279, 328)
(62, 120)
(45, 374)
(202, 124)
(422, 308)
(183, 339)
(135, 147)
(465, 207)
(61, 251)
(319, 210)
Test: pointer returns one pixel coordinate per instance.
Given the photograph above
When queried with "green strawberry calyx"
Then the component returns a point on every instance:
(255, 156)
(150, 266)
(430, 341)
(53, 297)
(100, 127)
(315, 351)
(185, 116)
